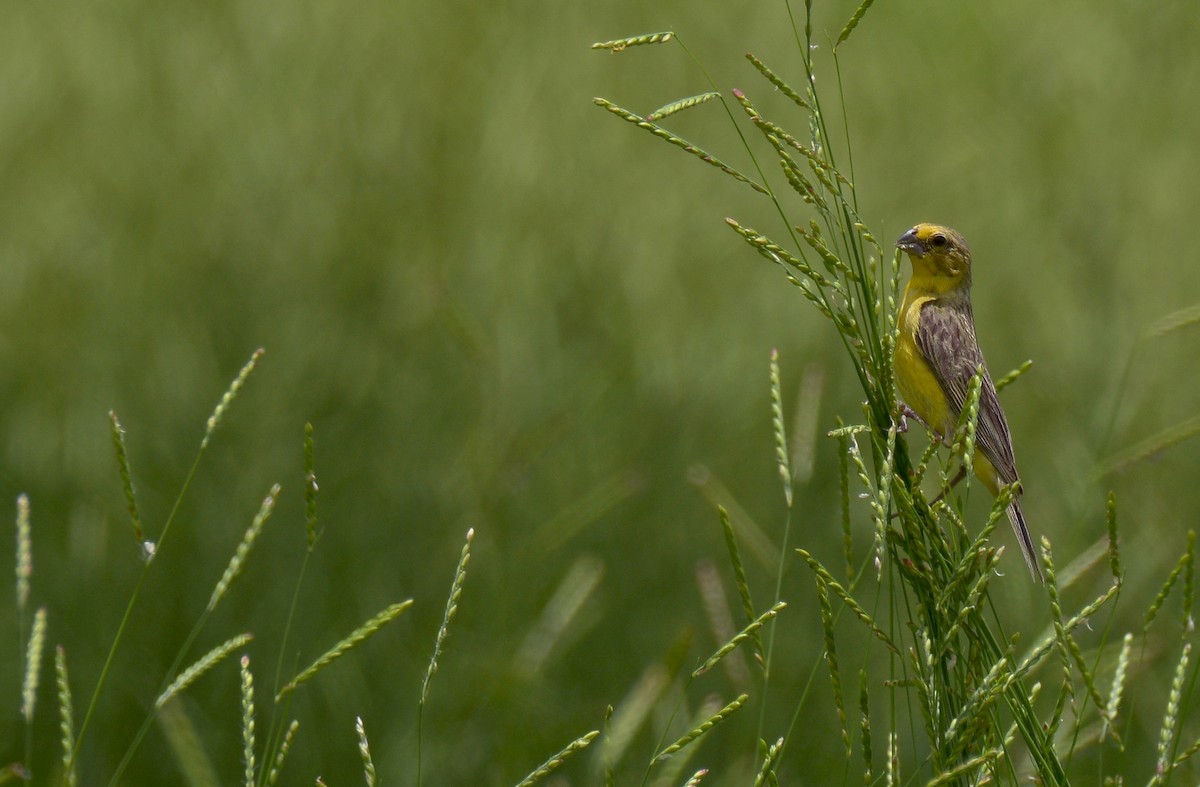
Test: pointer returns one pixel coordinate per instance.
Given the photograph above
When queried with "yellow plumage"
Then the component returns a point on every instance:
(937, 355)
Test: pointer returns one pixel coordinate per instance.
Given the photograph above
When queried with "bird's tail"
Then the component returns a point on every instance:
(1018, 522)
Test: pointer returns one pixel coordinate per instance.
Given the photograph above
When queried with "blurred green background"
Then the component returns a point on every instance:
(504, 309)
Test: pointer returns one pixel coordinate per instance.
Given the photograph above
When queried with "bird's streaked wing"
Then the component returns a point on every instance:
(948, 343)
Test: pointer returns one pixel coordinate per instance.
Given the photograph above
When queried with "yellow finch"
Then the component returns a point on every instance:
(937, 354)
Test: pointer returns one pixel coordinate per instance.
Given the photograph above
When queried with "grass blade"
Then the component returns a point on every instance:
(720, 618)
(553, 626)
(1175, 320)
(1151, 445)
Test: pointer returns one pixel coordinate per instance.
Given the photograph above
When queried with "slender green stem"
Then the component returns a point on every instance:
(234, 568)
(129, 607)
(278, 724)
(817, 665)
(1119, 395)
(153, 712)
(420, 732)
(779, 571)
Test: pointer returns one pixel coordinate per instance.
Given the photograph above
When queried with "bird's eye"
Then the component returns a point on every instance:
(939, 241)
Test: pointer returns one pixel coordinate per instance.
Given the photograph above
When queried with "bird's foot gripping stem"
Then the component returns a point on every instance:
(906, 412)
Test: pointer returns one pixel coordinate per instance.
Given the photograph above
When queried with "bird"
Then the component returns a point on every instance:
(937, 354)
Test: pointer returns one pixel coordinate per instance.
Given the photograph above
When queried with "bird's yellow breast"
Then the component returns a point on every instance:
(918, 386)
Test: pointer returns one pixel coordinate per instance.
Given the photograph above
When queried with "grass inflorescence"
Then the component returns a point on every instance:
(249, 762)
(351, 641)
(557, 760)
(264, 749)
(702, 728)
(364, 751)
(918, 671)
(955, 672)
(66, 711)
(201, 666)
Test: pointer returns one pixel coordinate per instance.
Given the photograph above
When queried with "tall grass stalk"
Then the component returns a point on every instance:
(647, 693)
(456, 588)
(952, 661)
(785, 472)
(236, 563)
(279, 733)
(150, 549)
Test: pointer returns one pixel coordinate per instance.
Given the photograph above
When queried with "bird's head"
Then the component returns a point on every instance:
(938, 252)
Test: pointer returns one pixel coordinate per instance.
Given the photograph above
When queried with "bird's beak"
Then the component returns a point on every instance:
(911, 244)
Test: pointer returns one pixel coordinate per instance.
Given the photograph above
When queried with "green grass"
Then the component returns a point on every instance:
(504, 314)
(960, 687)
